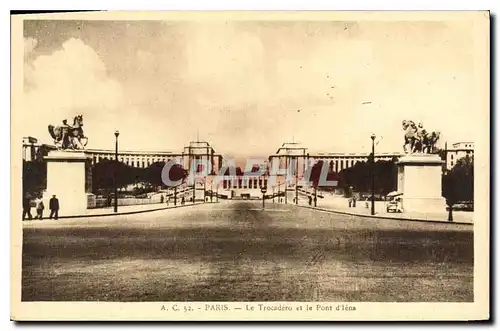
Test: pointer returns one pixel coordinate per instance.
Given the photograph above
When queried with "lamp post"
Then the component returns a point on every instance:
(117, 133)
(279, 190)
(211, 191)
(373, 173)
(286, 179)
(175, 195)
(315, 195)
(263, 190)
(297, 182)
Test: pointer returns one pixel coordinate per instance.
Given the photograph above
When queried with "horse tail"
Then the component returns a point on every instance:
(51, 131)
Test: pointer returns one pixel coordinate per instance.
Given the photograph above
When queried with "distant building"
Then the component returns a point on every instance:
(294, 153)
(241, 186)
(30, 147)
(457, 151)
(201, 152)
(137, 159)
(198, 150)
(33, 150)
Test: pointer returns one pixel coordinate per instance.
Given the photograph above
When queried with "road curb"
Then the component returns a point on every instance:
(383, 217)
(122, 213)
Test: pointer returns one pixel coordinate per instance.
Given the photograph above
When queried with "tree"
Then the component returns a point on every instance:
(152, 174)
(34, 177)
(316, 175)
(458, 183)
(103, 175)
(176, 173)
(359, 177)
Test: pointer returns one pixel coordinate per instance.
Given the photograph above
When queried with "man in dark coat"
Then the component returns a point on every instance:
(54, 207)
(27, 208)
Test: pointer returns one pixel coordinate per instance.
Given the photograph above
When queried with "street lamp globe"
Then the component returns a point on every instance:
(117, 133)
(373, 136)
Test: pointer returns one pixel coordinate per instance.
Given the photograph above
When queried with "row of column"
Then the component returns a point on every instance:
(243, 182)
(137, 161)
(214, 160)
(143, 161)
(335, 164)
(29, 152)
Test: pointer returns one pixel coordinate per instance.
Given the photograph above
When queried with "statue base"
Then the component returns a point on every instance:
(420, 181)
(66, 179)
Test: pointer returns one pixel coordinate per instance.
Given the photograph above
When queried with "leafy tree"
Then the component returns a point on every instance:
(152, 174)
(34, 177)
(458, 183)
(316, 175)
(103, 175)
(177, 172)
(359, 177)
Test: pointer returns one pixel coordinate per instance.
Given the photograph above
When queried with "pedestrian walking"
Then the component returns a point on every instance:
(27, 208)
(310, 201)
(54, 207)
(162, 199)
(39, 208)
(183, 201)
(354, 200)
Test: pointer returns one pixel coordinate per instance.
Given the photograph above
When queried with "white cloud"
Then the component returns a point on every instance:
(70, 81)
(241, 84)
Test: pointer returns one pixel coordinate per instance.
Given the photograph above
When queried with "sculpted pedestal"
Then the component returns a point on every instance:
(419, 179)
(68, 177)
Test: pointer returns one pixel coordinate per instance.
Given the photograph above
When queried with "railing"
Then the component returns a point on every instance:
(101, 202)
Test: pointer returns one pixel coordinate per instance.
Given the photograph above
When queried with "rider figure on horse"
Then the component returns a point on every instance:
(67, 136)
(66, 132)
(421, 133)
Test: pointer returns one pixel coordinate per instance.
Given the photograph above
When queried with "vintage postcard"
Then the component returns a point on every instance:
(250, 166)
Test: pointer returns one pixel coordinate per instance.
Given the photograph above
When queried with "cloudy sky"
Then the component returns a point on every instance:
(249, 86)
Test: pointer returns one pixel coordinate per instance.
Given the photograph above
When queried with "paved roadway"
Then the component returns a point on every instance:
(234, 251)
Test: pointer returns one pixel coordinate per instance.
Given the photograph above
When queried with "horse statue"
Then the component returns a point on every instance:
(419, 144)
(429, 142)
(69, 136)
(411, 138)
(418, 140)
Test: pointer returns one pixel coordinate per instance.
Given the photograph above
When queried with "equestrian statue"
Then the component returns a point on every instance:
(418, 140)
(69, 137)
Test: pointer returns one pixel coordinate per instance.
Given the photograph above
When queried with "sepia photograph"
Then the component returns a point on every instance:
(250, 165)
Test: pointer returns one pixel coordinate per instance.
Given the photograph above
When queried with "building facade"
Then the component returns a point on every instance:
(457, 151)
(198, 150)
(299, 157)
